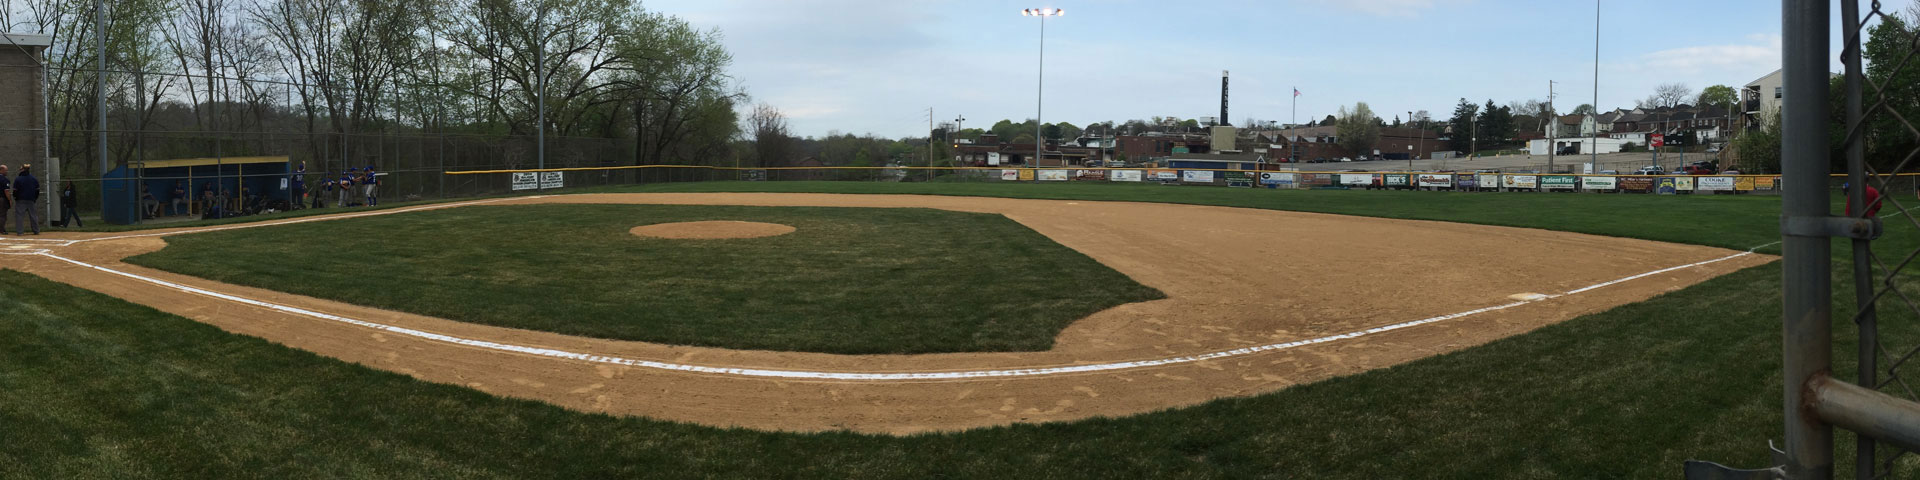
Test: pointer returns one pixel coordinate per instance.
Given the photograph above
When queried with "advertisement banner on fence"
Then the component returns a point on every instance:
(1164, 175)
(1196, 176)
(1489, 180)
(1125, 175)
(526, 181)
(1599, 183)
(1436, 180)
(1357, 179)
(1053, 175)
(1520, 181)
(1636, 184)
(1714, 184)
(1010, 174)
(1396, 179)
(1090, 175)
(553, 179)
(1026, 174)
(1743, 184)
(1559, 182)
(1766, 183)
(1317, 179)
(1276, 179)
(1239, 179)
(1465, 181)
(1665, 186)
(1683, 184)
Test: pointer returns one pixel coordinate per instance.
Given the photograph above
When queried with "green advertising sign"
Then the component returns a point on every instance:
(1396, 180)
(1559, 182)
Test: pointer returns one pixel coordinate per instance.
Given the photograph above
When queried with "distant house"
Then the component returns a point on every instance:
(1760, 100)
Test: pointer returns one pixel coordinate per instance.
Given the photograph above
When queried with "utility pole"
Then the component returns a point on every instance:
(958, 125)
(1553, 127)
(100, 88)
(540, 74)
(929, 142)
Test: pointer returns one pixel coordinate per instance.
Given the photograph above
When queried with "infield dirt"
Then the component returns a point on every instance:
(1232, 275)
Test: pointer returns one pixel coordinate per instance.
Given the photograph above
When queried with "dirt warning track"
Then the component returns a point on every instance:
(1246, 314)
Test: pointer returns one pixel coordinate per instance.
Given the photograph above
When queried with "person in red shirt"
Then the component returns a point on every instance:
(1872, 197)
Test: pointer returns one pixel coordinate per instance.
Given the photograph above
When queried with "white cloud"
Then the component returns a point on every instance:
(1762, 54)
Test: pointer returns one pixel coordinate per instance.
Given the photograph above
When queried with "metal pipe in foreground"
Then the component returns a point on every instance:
(1863, 410)
(1806, 263)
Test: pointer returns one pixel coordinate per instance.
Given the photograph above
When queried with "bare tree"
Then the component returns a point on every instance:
(1667, 95)
(772, 144)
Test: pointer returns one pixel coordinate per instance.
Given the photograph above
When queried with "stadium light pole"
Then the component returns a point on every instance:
(1040, 93)
(1593, 147)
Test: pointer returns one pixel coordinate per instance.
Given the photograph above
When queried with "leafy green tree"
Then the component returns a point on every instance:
(1358, 129)
(1887, 44)
(1583, 109)
(1717, 95)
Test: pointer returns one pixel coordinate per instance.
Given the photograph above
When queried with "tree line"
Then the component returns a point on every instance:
(651, 86)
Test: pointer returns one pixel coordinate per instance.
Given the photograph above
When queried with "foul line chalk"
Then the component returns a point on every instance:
(893, 376)
(315, 218)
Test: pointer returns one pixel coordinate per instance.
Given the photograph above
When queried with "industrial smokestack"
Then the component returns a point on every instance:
(1223, 99)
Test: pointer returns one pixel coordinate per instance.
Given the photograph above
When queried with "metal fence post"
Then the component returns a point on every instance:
(1807, 321)
(1866, 320)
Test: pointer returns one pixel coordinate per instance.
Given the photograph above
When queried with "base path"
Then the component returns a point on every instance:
(1245, 315)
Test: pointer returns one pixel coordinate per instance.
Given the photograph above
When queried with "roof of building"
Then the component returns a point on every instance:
(26, 39)
(195, 162)
(1756, 82)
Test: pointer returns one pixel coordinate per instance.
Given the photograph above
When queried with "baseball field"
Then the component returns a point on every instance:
(832, 330)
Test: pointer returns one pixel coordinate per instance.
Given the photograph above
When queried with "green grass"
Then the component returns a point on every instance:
(1728, 221)
(94, 387)
(849, 280)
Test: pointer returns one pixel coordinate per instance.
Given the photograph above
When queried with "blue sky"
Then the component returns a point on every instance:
(876, 66)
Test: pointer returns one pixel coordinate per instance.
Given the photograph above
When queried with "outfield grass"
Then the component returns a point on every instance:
(95, 387)
(1729, 221)
(849, 280)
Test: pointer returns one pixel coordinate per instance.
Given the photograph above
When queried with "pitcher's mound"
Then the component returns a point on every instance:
(715, 229)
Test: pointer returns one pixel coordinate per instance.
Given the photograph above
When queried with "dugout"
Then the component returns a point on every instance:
(120, 192)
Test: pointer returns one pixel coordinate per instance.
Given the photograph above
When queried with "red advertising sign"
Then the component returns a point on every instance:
(1657, 140)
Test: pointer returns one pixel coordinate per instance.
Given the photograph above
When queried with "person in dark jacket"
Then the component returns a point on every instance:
(26, 196)
(6, 198)
(69, 201)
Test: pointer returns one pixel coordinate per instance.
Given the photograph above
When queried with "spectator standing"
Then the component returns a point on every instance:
(26, 195)
(69, 202)
(372, 181)
(6, 198)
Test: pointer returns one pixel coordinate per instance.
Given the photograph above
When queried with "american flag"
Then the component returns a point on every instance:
(1296, 91)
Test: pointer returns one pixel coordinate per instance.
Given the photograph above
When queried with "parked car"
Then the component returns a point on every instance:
(1714, 149)
(1650, 170)
(1701, 168)
(1609, 172)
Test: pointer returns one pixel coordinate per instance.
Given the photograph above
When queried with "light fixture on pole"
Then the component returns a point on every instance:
(1040, 86)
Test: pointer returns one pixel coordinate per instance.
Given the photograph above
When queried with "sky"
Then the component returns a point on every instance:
(876, 67)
